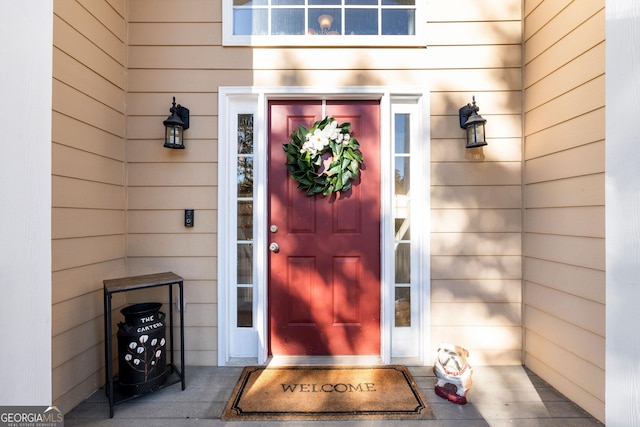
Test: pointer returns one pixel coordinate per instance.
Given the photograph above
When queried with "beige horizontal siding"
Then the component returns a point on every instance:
(172, 174)
(73, 74)
(565, 135)
(169, 33)
(487, 173)
(478, 314)
(162, 183)
(82, 136)
(169, 11)
(580, 340)
(581, 100)
(73, 103)
(85, 279)
(71, 222)
(152, 150)
(570, 370)
(141, 198)
(73, 163)
(78, 193)
(583, 68)
(158, 104)
(487, 345)
(469, 10)
(556, 55)
(72, 382)
(228, 58)
(575, 280)
(559, 29)
(190, 268)
(563, 244)
(445, 33)
(69, 253)
(475, 267)
(587, 190)
(476, 290)
(476, 220)
(476, 243)
(562, 165)
(476, 194)
(167, 221)
(88, 187)
(587, 221)
(180, 245)
(73, 43)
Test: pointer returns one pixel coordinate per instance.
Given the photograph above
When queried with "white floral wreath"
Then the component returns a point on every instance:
(308, 150)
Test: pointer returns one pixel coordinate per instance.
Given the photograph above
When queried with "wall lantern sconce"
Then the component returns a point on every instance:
(175, 125)
(474, 124)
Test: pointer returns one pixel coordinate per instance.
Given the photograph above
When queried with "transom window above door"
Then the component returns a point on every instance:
(324, 22)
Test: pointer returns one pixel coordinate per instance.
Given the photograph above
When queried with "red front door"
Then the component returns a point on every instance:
(324, 282)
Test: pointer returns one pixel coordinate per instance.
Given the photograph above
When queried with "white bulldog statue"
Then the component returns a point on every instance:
(453, 373)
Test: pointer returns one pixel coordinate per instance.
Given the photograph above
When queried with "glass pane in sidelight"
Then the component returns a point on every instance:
(403, 306)
(245, 263)
(402, 175)
(245, 220)
(402, 136)
(403, 263)
(402, 229)
(245, 307)
(245, 133)
(245, 176)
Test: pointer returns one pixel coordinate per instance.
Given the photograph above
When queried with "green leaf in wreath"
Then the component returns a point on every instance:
(304, 166)
(354, 167)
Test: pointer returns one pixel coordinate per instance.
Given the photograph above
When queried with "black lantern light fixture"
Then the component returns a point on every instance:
(175, 125)
(474, 124)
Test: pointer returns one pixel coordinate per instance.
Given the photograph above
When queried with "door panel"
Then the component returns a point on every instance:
(324, 282)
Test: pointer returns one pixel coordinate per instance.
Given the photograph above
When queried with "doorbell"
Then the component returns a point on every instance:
(188, 217)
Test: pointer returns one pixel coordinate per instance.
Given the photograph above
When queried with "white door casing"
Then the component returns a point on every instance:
(249, 344)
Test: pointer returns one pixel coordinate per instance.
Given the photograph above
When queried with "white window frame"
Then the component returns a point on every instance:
(416, 40)
(234, 100)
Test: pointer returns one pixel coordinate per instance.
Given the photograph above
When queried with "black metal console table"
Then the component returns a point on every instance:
(134, 283)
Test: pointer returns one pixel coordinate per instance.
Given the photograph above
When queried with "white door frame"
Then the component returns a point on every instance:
(237, 100)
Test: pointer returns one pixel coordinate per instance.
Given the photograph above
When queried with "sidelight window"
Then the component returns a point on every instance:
(407, 227)
(402, 218)
(244, 159)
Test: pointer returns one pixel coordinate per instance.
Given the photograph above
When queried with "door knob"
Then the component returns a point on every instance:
(273, 228)
(273, 247)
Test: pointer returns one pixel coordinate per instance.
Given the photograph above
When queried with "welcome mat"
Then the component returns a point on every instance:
(326, 393)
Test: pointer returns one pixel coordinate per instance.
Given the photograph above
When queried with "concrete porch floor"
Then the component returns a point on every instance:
(500, 396)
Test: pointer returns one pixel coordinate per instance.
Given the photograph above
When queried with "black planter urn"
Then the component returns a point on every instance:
(142, 357)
